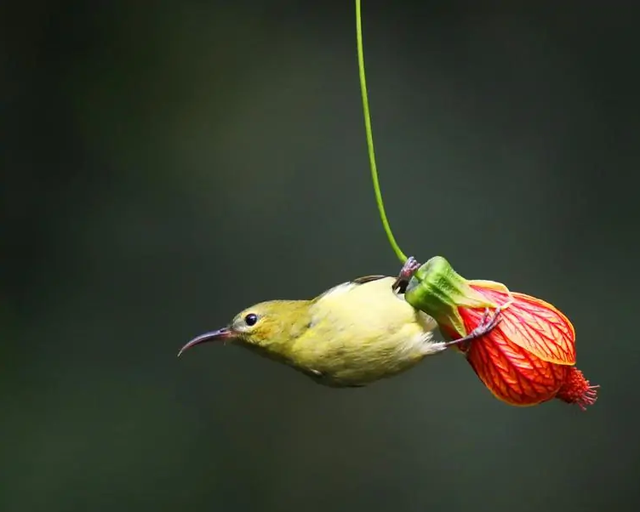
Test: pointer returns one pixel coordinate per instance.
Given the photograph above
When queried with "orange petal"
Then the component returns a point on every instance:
(511, 373)
(536, 326)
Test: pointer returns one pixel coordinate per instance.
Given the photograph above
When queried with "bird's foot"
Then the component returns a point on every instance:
(406, 273)
(487, 324)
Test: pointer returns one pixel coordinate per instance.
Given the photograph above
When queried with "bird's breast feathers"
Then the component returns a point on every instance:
(362, 332)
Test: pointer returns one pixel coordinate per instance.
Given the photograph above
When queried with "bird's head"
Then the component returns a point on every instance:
(267, 326)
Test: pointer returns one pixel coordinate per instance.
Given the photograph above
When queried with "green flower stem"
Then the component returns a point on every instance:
(367, 123)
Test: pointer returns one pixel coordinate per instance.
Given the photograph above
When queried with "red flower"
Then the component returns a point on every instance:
(527, 359)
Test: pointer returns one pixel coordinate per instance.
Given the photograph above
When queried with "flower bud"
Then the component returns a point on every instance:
(527, 358)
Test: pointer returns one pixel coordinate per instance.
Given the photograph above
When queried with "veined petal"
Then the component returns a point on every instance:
(534, 325)
(512, 374)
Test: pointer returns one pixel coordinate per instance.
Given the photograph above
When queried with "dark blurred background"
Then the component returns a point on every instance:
(165, 165)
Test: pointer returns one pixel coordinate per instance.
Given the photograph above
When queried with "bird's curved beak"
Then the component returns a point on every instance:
(223, 334)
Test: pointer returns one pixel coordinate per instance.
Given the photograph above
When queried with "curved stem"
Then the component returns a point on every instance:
(367, 124)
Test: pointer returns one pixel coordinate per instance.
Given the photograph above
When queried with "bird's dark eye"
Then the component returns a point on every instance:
(251, 319)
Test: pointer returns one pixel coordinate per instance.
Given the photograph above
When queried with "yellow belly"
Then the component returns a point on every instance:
(362, 333)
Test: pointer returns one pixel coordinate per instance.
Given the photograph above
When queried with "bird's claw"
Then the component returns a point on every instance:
(406, 273)
(487, 324)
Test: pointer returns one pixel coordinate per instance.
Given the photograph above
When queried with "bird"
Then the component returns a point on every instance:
(354, 334)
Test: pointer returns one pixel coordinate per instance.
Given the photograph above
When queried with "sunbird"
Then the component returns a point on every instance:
(354, 334)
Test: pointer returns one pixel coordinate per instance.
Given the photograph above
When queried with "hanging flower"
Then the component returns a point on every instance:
(527, 358)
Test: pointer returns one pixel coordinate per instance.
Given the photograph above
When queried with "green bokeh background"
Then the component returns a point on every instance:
(165, 165)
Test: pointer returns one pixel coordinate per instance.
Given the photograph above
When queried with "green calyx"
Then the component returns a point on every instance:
(439, 291)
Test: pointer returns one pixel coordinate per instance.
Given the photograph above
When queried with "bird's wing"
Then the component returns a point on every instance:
(348, 285)
(367, 279)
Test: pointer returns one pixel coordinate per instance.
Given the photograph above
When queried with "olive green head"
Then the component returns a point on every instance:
(266, 325)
